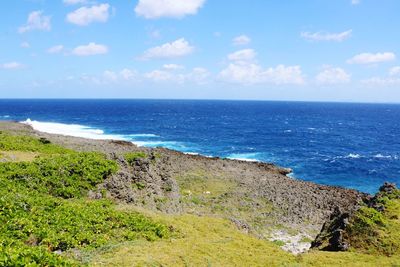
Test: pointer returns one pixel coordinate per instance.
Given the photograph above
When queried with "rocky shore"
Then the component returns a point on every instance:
(259, 198)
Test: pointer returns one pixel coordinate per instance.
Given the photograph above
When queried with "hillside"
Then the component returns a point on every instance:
(73, 201)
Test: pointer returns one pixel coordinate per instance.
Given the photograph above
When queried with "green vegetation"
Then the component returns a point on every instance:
(220, 196)
(44, 208)
(26, 143)
(205, 241)
(377, 233)
(131, 157)
(46, 219)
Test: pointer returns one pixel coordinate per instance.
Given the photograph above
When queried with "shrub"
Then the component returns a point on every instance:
(43, 207)
(131, 157)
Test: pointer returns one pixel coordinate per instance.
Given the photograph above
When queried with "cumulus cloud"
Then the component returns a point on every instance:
(251, 73)
(370, 58)
(178, 48)
(196, 75)
(243, 55)
(244, 70)
(394, 71)
(153, 9)
(90, 50)
(327, 36)
(36, 21)
(55, 49)
(25, 45)
(123, 75)
(75, 2)
(11, 66)
(172, 67)
(241, 40)
(332, 75)
(86, 15)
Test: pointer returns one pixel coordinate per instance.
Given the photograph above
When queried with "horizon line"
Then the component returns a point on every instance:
(207, 99)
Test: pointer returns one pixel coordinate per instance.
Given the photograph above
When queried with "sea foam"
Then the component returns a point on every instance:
(75, 130)
(244, 156)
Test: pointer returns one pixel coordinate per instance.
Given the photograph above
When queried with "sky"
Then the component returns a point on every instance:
(311, 50)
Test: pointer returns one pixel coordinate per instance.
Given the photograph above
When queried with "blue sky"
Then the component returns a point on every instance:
(312, 50)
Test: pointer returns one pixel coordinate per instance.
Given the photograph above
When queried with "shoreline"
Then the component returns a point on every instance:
(277, 207)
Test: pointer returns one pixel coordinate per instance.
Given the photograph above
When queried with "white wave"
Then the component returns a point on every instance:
(142, 135)
(191, 153)
(75, 130)
(380, 156)
(287, 131)
(244, 156)
(167, 144)
(353, 156)
(5, 116)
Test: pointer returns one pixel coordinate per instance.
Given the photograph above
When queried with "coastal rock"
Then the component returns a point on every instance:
(334, 233)
(331, 236)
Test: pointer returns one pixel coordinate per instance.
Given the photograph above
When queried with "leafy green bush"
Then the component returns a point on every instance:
(68, 175)
(43, 208)
(26, 143)
(131, 157)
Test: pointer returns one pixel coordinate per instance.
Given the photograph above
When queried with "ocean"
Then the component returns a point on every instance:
(343, 144)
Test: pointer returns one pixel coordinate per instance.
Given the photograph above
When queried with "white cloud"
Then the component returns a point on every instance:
(11, 65)
(250, 73)
(110, 75)
(153, 9)
(90, 50)
(242, 55)
(197, 75)
(25, 45)
(394, 71)
(55, 49)
(175, 49)
(369, 58)
(127, 74)
(241, 40)
(123, 75)
(379, 81)
(36, 21)
(244, 70)
(172, 67)
(75, 2)
(390, 80)
(163, 76)
(355, 2)
(327, 36)
(86, 15)
(332, 75)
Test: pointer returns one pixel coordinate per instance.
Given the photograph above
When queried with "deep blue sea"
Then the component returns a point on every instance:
(350, 145)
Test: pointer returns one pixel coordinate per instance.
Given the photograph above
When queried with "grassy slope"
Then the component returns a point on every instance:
(206, 241)
(39, 216)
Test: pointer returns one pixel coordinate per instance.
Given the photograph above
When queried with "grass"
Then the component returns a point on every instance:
(206, 241)
(216, 195)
